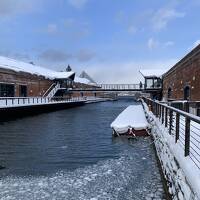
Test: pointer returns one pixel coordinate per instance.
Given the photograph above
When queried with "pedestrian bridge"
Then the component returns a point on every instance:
(120, 88)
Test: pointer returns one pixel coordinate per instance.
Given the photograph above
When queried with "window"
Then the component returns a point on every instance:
(169, 93)
(150, 83)
(7, 90)
(187, 93)
(23, 91)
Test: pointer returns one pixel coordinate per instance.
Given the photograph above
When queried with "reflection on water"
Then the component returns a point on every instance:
(71, 154)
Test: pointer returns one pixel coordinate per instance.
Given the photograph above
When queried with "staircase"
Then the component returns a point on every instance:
(52, 90)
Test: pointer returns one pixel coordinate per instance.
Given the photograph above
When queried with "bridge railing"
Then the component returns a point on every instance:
(121, 86)
(184, 127)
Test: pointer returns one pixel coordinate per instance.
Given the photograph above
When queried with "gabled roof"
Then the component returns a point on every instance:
(19, 66)
(86, 76)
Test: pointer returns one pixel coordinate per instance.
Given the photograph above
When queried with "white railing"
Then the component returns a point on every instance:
(49, 89)
(27, 101)
(53, 91)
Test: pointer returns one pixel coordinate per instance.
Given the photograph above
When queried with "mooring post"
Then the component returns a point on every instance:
(187, 136)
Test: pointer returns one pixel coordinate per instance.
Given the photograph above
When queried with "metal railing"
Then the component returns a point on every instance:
(121, 86)
(53, 91)
(184, 127)
(49, 89)
(6, 102)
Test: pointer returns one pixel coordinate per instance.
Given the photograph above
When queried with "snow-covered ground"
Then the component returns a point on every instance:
(132, 117)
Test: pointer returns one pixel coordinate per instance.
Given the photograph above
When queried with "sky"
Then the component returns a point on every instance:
(110, 39)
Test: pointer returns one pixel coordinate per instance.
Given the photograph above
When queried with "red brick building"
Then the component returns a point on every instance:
(182, 81)
(19, 79)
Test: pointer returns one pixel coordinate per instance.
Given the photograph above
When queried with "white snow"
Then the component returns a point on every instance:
(81, 80)
(186, 164)
(132, 117)
(19, 66)
(153, 72)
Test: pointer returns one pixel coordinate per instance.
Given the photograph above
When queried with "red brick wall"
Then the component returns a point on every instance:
(36, 85)
(185, 73)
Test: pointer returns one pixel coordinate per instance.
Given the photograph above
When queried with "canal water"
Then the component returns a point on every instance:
(70, 154)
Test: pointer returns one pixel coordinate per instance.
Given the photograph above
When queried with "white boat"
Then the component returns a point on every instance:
(132, 121)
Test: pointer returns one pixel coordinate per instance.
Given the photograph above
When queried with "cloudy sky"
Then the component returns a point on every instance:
(110, 39)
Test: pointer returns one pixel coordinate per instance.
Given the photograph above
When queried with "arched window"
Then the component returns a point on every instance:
(169, 93)
(187, 93)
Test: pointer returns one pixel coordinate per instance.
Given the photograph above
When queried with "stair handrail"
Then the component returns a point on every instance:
(49, 89)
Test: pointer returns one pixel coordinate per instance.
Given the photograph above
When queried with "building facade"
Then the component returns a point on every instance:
(21, 84)
(182, 81)
(19, 79)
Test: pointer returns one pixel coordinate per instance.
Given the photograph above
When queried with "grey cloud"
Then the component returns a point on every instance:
(78, 4)
(85, 55)
(59, 56)
(53, 55)
(12, 7)
(18, 55)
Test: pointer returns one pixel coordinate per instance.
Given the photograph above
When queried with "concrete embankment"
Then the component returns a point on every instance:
(27, 110)
(178, 170)
(18, 111)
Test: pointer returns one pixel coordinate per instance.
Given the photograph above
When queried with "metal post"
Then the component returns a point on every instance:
(162, 114)
(187, 136)
(186, 107)
(170, 121)
(177, 126)
(166, 111)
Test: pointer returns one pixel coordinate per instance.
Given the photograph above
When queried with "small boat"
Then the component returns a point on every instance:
(131, 122)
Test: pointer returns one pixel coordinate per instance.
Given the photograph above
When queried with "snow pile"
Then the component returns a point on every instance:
(19, 66)
(132, 117)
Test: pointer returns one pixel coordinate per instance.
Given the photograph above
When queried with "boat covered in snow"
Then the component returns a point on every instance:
(131, 122)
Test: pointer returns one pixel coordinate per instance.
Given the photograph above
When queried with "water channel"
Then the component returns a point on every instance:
(70, 154)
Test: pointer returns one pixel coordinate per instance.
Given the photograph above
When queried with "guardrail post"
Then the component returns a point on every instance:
(170, 121)
(162, 114)
(166, 117)
(186, 107)
(187, 136)
(177, 126)
(160, 111)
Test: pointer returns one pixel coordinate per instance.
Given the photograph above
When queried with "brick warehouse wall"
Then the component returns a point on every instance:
(185, 73)
(36, 85)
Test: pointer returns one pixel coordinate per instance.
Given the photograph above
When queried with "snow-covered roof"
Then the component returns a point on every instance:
(19, 66)
(152, 72)
(129, 119)
(85, 75)
(81, 80)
